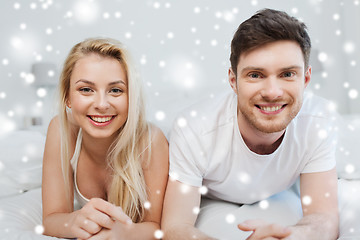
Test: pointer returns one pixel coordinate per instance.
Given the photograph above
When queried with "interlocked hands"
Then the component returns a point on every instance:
(97, 219)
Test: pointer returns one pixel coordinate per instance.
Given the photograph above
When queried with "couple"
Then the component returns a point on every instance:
(101, 151)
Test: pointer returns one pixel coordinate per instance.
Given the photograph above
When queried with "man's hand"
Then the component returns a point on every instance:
(263, 230)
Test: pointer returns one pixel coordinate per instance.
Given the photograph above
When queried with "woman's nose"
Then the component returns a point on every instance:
(101, 102)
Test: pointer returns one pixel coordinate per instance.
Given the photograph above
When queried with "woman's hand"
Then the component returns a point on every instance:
(119, 231)
(96, 216)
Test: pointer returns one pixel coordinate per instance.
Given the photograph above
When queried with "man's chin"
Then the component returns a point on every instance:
(273, 128)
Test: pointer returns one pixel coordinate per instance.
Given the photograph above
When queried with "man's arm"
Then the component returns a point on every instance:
(320, 212)
(179, 212)
(320, 206)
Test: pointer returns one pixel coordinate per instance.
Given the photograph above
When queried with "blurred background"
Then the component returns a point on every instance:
(181, 50)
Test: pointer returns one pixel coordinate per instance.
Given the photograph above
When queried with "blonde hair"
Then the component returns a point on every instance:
(128, 189)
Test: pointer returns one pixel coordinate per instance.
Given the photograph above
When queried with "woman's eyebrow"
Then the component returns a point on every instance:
(92, 83)
(85, 81)
(116, 82)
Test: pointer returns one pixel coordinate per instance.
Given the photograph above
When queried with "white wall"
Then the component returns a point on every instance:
(190, 38)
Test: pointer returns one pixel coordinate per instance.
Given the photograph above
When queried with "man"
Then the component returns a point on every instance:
(255, 142)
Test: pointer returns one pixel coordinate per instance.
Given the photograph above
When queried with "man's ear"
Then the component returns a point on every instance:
(232, 80)
(307, 76)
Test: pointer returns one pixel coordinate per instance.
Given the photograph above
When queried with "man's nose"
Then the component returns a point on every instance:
(272, 89)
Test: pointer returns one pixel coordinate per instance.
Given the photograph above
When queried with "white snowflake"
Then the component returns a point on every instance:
(39, 229)
(41, 92)
(182, 122)
(203, 190)
(264, 204)
(322, 57)
(230, 218)
(197, 10)
(349, 168)
(158, 234)
(353, 93)
(5, 62)
(196, 210)
(349, 47)
(160, 115)
(17, 6)
(156, 5)
(147, 205)
(306, 200)
(162, 64)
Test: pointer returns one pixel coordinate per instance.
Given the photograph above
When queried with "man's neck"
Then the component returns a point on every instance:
(260, 142)
(262, 148)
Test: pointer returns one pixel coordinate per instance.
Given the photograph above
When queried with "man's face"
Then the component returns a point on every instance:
(269, 85)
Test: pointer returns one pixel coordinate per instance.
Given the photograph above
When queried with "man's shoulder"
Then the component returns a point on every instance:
(316, 117)
(316, 107)
(209, 114)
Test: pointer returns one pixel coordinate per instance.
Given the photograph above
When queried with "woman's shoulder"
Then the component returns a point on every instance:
(157, 135)
(53, 131)
(158, 147)
(55, 128)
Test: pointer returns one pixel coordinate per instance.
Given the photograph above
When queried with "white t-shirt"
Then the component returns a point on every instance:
(207, 149)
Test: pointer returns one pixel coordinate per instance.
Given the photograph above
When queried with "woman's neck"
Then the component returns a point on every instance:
(97, 148)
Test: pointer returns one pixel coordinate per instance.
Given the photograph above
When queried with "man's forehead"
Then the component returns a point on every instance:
(279, 54)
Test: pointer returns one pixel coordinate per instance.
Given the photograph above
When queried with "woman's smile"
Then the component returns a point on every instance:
(101, 120)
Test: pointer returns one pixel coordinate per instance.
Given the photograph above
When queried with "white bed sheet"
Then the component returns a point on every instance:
(21, 214)
(219, 219)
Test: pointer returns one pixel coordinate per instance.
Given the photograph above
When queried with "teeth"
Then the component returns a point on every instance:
(101, 119)
(270, 109)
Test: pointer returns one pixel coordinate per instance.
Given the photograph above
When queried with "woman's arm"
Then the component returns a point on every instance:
(156, 176)
(56, 206)
(59, 219)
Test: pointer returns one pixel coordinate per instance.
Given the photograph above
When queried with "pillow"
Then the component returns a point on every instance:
(347, 152)
(21, 154)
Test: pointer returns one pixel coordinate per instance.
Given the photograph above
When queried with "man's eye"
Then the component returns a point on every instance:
(254, 75)
(288, 74)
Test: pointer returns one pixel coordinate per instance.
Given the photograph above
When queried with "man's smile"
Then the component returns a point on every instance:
(271, 108)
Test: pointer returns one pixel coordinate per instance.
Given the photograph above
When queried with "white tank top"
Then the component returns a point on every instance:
(74, 161)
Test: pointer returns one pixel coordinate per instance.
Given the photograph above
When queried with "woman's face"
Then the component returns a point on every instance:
(98, 95)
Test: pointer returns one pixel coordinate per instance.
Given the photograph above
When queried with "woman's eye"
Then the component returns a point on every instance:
(116, 90)
(85, 90)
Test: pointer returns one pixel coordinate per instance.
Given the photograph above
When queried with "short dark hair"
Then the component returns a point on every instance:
(268, 26)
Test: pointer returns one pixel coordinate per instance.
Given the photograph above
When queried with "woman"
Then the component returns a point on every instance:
(101, 151)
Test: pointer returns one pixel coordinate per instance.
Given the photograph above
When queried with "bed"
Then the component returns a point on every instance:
(20, 190)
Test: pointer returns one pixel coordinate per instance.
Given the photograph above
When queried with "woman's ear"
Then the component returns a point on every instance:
(68, 104)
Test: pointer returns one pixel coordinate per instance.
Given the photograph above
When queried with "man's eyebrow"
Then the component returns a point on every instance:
(251, 68)
(91, 83)
(291, 67)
